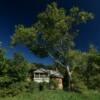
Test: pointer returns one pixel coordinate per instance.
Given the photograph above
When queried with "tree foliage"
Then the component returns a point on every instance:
(19, 68)
(54, 25)
(53, 34)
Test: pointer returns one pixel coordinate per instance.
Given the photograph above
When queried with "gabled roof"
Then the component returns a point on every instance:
(41, 70)
(55, 74)
(51, 73)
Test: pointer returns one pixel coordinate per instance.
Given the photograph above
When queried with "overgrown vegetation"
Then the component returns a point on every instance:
(52, 35)
(55, 95)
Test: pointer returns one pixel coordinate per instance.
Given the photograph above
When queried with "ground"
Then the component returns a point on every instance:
(56, 95)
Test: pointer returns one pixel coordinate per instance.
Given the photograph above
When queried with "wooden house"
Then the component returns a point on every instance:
(44, 75)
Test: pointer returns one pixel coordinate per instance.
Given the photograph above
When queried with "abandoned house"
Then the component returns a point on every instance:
(44, 75)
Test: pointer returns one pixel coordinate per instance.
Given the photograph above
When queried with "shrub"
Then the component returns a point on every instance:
(32, 86)
(78, 84)
(53, 84)
(43, 86)
(14, 89)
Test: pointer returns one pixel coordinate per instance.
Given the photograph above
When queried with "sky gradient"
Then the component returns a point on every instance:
(13, 12)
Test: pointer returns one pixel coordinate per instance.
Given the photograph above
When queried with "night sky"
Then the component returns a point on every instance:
(24, 12)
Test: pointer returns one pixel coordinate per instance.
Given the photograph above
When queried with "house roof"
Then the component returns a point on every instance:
(41, 70)
(55, 74)
(51, 73)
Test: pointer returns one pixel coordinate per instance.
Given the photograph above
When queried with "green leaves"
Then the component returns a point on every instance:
(80, 16)
(20, 67)
(85, 16)
(23, 35)
(74, 11)
(56, 24)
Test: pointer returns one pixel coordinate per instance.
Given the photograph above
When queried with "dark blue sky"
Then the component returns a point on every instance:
(14, 12)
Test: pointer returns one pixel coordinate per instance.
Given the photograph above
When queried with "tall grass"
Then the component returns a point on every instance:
(55, 95)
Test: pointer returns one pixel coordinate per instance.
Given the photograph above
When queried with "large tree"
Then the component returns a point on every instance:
(53, 34)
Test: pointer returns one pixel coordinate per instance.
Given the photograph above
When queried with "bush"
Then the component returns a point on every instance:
(43, 86)
(32, 86)
(53, 84)
(78, 84)
(14, 89)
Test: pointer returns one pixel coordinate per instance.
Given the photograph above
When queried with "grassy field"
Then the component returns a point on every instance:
(55, 95)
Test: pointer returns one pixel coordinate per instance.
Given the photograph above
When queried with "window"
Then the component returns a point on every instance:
(36, 75)
(43, 75)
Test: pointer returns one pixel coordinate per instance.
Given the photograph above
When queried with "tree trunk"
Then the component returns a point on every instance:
(69, 78)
